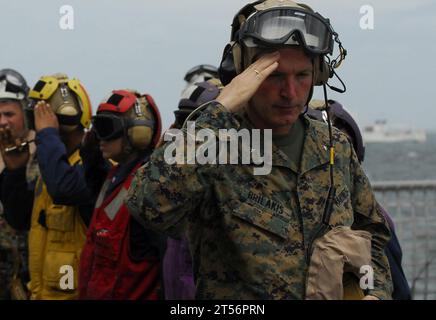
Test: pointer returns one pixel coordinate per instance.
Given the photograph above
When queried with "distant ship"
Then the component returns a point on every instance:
(379, 133)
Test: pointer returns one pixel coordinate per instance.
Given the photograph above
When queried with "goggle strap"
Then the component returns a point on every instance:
(140, 122)
(69, 120)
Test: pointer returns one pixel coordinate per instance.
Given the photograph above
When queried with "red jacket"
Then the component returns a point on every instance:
(106, 268)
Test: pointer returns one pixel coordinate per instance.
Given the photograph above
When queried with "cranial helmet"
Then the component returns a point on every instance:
(67, 98)
(274, 24)
(130, 114)
(194, 96)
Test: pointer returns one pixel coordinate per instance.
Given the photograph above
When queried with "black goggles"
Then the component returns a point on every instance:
(13, 84)
(110, 127)
(276, 27)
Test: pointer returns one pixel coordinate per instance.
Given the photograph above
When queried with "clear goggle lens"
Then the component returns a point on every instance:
(289, 26)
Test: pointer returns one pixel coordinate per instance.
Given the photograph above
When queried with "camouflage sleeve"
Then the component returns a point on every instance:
(162, 195)
(369, 218)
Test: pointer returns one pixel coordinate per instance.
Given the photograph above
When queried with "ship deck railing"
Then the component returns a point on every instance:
(412, 206)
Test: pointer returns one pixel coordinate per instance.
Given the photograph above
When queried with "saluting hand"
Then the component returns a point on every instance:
(90, 144)
(240, 90)
(45, 117)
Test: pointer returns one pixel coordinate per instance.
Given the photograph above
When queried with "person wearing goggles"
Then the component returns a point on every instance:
(127, 127)
(13, 100)
(13, 131)
(199, 73)
(60, 204)
(252, 236)
(194, 96)
(278, 27)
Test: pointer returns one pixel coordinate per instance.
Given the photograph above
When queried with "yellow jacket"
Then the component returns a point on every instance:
(54, 246)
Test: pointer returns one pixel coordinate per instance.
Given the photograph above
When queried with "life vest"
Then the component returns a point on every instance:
(107, 270)
(56, 237)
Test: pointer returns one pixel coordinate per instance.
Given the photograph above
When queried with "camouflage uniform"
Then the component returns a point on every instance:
(13, 256)
(13, 243)
(249, 236)
(6, 257)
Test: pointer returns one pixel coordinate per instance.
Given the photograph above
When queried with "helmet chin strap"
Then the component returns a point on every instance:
(313, 84)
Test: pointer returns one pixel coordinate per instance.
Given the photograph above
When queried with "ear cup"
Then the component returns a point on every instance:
(140, 136)
(323, 71)
(231, 63)
(157, 118)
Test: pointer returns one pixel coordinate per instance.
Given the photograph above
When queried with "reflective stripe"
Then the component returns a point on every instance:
(114, 206)
(102, 193)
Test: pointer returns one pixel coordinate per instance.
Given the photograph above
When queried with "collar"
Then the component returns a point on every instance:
(315, 148)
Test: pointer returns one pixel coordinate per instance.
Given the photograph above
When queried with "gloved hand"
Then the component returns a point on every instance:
(90, 147)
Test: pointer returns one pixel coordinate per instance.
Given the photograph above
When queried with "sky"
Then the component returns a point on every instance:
(149, 45)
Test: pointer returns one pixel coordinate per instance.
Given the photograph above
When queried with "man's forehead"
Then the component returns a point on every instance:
(294, 63)
(10, 106)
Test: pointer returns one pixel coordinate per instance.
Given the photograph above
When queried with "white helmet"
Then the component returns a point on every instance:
(13, 86)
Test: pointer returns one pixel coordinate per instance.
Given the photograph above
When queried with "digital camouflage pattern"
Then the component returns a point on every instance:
(13, 251)
(13, 244)
(6, 257)
(249, 235)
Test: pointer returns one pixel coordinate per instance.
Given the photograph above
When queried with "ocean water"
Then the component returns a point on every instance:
(401, 160)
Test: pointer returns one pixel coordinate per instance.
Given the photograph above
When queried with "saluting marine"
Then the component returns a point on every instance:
(253, 236)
